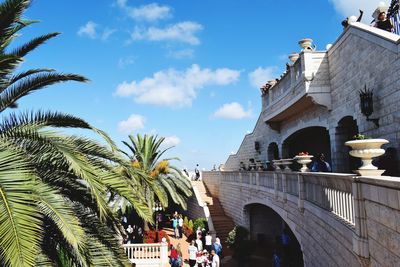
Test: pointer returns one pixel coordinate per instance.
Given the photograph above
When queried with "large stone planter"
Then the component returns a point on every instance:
(307, 44)
(366, 150)
(304, 160)
(294, 57)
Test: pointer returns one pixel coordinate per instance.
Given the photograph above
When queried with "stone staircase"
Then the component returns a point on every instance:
(222, 223)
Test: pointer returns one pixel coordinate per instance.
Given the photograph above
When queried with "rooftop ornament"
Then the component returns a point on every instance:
(307, 44)
(265, 88)
(293, 57)
(367, 104)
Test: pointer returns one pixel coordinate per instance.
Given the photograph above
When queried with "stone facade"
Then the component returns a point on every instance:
(321, 89)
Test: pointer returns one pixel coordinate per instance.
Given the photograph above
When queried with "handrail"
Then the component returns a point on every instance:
(155, 254)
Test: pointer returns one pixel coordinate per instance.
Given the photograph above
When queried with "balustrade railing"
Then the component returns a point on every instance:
(147, 254)
(329, 191)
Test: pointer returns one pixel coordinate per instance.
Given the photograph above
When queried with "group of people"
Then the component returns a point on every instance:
(202, 251)
(177, 225)
(133, 234)
(382, 21)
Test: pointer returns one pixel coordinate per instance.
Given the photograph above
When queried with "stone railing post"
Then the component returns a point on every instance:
(284, 187)
(302, 194)
(360, 236)
(276, 185)
(257, 179)
(164, 251)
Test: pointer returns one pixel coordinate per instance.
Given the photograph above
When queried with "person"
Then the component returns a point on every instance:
(285, 240)
(205, 261)
(276, 260)
(192, 254)
(175, 226)
(198, 232)
(208, 242)
(383, 22)
(215, 259)
(346, 21)
(199, 244)
(197, 173)
(129, 230)
(217, 247)
(173, 256)
(320, 165)
(179, 252)
(139, 234)
(180, 226)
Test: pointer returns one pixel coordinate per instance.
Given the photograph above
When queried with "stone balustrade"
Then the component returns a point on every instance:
(147, 255)
(342, 219)
(329, 191)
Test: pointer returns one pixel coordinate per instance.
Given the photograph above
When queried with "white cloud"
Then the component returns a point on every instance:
(261, 76)
(89, 30)
(180, 54)
(350, 7)
(133, 123)
(123, 62)
(170, 141)
(175, 88)
(150, 12)
(184, 32)
(233, 111)
(107, 33)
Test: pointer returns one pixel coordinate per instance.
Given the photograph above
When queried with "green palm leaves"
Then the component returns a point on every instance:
(163, 180)
(54, 187)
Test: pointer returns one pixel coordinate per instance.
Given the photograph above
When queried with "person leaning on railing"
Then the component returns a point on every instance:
(320, 165)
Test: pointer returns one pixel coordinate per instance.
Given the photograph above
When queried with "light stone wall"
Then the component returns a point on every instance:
(362, 55)
(382, 206)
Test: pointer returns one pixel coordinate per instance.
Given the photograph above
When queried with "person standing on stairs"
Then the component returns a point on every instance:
(217, 247)
(192, 254)
(197, 173)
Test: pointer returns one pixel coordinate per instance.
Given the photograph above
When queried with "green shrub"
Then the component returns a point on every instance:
(186, 222)
(190, 225)
(200, 222)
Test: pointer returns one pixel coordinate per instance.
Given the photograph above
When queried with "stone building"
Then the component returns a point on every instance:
(315, 105)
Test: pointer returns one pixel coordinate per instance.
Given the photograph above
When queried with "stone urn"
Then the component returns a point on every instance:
(294, 57)
(286, 163)
(366, 150)
(304, 160)
(307, 44)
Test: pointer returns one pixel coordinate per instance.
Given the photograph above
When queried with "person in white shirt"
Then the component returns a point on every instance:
(215, 259)
(208, 242)
(192, 254)
(199, 244)
(180, 226)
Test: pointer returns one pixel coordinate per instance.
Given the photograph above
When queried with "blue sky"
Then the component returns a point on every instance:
(186, 70)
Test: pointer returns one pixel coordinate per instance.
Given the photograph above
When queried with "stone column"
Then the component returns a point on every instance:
(302, 194)
(360, 236)
(257, 179)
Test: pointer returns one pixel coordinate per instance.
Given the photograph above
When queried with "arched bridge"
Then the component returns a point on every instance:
(337, 219)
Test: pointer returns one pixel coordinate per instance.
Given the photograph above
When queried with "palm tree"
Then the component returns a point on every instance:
(53, 186)
(163, 179)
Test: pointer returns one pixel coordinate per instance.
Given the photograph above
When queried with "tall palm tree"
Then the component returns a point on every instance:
(163, 179)
(53, 186)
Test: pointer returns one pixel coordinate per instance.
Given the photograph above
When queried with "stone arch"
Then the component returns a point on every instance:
(345, 130)
(300, 126)
(313, 139)
(280, 213)
(273, 151)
